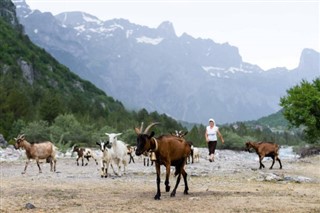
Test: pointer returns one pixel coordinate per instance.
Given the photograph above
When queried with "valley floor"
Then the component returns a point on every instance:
(230, 184)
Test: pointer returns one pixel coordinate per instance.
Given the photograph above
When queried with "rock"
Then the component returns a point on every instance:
(299, 179)
(3, 142)
(30, 206)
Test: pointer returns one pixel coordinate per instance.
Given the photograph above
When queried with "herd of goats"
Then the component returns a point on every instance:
(168, 150)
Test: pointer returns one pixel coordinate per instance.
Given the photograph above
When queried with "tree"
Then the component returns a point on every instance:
(302, 108)
(51, 107)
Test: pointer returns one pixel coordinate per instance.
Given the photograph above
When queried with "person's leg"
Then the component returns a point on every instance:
(214, 145)
(210, 150)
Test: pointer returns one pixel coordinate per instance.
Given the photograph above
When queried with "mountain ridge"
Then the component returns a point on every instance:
(146, 68)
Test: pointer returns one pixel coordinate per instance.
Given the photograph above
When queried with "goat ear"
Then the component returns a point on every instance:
(137, 131)
(98, 143)
(118, 134)
(152, 134)
(186, 133)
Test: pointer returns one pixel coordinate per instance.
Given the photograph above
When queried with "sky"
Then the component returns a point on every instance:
(269, 33)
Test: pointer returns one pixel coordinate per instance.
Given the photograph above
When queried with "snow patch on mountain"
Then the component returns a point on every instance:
(147, 40)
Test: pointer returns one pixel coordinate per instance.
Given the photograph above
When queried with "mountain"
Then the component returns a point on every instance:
(189, 79)
(35, 86)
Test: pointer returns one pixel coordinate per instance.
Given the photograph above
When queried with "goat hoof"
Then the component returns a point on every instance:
(173, 194)
(167, 188)
(185, 192)
(157, 197)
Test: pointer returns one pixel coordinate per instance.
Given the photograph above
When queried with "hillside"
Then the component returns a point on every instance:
(34, 86)
(275, 120)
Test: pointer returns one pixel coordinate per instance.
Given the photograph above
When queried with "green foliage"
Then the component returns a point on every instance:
(36, 131)
(235, 141)
(302, 108)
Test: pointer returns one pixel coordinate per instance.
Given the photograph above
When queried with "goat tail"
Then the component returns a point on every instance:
(176, 173)
(277, 148)
(178, 170)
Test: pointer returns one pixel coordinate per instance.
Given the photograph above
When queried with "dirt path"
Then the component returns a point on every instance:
(230, 184)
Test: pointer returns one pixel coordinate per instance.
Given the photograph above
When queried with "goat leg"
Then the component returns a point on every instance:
(51, 165)
(167, 177)
(278, 159)
(106, 166)
(261, 164)
(78, 161)
(186, 188)
(55, 164)
(158, 195)
(102, 169)
(173, 193)
(87, 160)
(273, 160)
(38, 164)
(25, 167)
(114, 171)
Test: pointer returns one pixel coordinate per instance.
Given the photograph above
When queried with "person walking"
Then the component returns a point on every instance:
(211, 138)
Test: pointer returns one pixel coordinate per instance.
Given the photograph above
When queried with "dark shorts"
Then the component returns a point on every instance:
(212, 147)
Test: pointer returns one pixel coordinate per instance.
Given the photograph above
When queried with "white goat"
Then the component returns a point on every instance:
(120, 150)
(106, 159)
(196, 154)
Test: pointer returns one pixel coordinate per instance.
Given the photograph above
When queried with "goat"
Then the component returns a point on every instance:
(265, 149)
(106, 159)
(130, 151)
(37, 151)
(120, 150)
(84, 153)
(195, 154)
(169, 151)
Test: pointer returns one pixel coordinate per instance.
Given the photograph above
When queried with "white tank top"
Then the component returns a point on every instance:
(212, 133)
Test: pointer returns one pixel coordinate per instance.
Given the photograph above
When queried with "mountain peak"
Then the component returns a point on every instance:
(309, 61)
(8, 12)
(166, 29)
(76, 18)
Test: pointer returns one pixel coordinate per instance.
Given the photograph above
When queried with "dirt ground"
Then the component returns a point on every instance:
(230, 184)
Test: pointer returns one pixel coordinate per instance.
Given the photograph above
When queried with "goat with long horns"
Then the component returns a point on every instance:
(169, 151)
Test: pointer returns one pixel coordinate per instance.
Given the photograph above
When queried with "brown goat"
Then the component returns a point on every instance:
(169, 151)
(265, 149)
(37, 151)
(84, 153)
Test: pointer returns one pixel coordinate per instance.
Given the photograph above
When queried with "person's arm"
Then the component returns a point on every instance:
(221, 138)
(206, 136)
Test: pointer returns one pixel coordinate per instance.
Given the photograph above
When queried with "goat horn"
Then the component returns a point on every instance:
(149, 127)
(141, 127)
